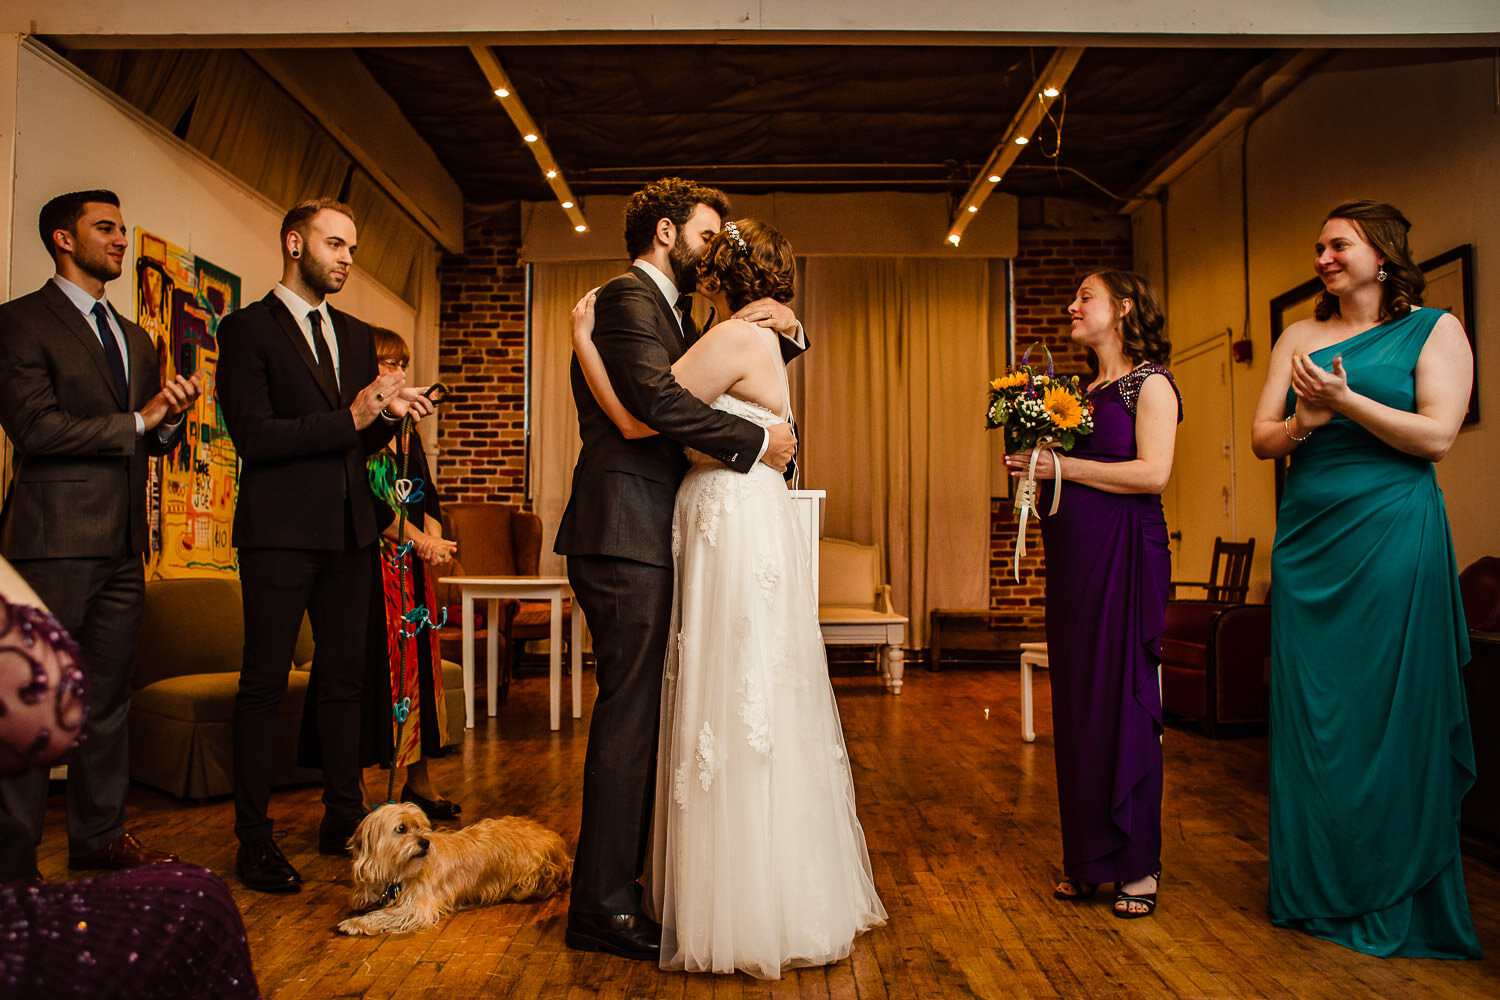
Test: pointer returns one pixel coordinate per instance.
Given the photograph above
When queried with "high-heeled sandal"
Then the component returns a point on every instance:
(1146, 899)
(440, 808)
(1079, 890)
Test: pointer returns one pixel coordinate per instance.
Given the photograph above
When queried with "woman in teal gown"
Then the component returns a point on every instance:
(1370, 748)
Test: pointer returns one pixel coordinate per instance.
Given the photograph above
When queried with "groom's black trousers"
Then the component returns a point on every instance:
(628, 606)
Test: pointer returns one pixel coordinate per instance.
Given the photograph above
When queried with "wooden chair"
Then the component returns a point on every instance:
(1215, 653)
(500, 540)
(1234, 559)
(854, 605)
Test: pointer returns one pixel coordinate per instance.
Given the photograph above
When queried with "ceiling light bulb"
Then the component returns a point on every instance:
(567, 204)
(580, 229)
(953, 239)
(973, 208)
(1051, 92)
(531, 137)
(994, 178)
(551, 174)
(501, 92)
(1021, 140)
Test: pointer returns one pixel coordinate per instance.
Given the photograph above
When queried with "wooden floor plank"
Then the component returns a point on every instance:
(961, 820)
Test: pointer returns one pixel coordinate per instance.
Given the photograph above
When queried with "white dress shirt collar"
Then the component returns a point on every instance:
(299, 308)
(669, 290)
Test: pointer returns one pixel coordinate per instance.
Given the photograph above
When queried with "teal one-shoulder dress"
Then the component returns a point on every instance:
(1370, 747)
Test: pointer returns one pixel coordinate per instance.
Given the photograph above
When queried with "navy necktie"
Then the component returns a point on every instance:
(112, 352)
(321, 350)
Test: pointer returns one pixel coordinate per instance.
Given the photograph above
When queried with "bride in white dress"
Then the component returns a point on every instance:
(758, 861)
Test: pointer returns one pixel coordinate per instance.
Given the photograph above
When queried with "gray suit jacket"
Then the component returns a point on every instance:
(78, 488)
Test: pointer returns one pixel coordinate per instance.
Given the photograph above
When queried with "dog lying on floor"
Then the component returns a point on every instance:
(408, 875)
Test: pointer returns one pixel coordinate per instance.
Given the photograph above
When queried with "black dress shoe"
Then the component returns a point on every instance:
(439, 808)
(262, 867)
(629, 935)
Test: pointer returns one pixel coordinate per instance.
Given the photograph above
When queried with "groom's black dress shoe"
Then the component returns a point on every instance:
(629, 935)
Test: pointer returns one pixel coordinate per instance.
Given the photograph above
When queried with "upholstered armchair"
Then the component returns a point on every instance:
(1216, 653)
(854, 605)
(498, 540)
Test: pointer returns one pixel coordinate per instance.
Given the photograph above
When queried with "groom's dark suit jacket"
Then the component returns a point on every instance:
(623, 490)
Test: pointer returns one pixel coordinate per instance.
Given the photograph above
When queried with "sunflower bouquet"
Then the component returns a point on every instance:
(1032, 406)
(1038, 411)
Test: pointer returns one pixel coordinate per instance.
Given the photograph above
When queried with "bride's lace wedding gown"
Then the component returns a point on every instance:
(758, 860)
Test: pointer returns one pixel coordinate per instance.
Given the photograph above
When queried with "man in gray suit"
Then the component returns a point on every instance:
(84, 407)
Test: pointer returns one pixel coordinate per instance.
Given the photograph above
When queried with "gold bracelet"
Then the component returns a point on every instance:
(1286, 425)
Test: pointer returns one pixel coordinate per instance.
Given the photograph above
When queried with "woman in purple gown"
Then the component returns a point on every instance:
(163, 931)
(1108, 568)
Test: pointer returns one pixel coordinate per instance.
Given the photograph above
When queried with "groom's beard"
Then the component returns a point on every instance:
(684, 266)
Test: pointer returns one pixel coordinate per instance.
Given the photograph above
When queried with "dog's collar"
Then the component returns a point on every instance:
(389, 896)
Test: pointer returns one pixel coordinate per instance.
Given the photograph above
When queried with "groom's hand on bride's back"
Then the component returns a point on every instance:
(782, 447)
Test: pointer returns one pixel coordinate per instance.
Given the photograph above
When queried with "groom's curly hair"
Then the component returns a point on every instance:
(669, 198)
(749, 260)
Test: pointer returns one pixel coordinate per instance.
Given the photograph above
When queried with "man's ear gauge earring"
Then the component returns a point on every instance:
(296, 254)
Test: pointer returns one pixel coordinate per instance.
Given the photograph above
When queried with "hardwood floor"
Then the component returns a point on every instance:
(961, 819)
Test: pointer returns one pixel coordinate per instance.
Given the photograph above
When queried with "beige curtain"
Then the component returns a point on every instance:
(391, 245)
(247, 124)
(890, 414)
(554, 421)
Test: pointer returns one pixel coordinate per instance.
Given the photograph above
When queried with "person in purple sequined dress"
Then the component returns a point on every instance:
(1108, 569)
(160, 931)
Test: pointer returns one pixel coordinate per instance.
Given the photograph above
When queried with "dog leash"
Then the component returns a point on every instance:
(418, 617)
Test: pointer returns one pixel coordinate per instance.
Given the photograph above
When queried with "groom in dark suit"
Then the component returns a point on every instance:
(305, 408)
(617, 535)
(81, 401)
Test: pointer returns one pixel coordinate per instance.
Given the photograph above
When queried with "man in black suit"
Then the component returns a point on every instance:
(617, 535)
(84, 406)
(305, 408)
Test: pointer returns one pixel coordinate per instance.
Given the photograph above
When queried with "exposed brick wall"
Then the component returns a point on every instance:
(1047, 270)
(482, 355)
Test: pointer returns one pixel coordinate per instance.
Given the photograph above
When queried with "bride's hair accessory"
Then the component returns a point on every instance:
(734, 234)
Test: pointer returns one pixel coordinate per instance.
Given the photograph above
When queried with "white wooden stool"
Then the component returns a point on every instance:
(1033, 654)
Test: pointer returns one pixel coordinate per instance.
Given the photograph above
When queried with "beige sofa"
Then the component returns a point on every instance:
(186, 675)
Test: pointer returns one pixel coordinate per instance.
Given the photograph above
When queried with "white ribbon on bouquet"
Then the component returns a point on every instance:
(1025, 504)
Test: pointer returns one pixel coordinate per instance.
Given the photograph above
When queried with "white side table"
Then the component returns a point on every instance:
(1033, 654)
(496, 588)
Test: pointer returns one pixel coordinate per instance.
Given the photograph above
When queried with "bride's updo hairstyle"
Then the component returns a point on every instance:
(749, 260)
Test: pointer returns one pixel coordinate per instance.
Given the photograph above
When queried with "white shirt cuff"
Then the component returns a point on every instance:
(765, 446)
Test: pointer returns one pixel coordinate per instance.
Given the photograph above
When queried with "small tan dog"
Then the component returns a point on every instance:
(407, 875)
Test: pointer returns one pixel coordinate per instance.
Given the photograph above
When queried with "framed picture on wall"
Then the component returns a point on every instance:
(1450, 287)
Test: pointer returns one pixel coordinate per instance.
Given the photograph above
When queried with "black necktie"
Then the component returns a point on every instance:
(321, 351)
(685, 308)
(112, 352)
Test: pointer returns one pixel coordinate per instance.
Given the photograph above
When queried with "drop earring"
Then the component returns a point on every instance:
(1380, 274)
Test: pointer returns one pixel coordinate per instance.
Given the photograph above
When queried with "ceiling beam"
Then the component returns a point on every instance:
(505, 90)
(1023, 124)
(381, 22)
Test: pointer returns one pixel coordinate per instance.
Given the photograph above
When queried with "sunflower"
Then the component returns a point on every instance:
(1010, 381)
(1063, 408)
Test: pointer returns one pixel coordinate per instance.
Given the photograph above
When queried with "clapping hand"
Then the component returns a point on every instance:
(432, 548)
(1319, 390)
(177, 396)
